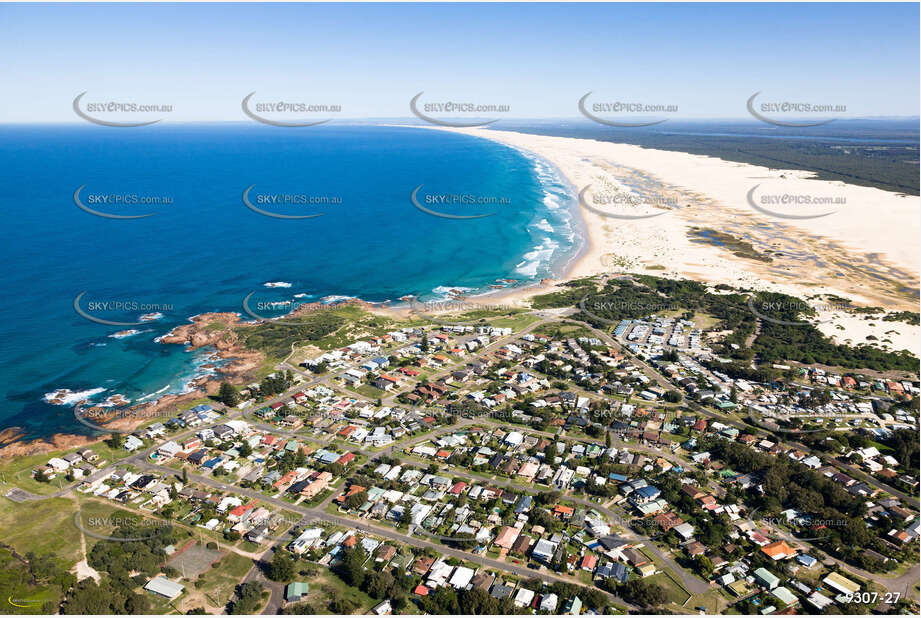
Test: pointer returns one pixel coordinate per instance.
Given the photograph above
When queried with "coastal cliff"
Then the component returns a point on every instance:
(217, 330)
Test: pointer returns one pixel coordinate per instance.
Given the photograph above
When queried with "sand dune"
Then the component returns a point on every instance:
(862, 243)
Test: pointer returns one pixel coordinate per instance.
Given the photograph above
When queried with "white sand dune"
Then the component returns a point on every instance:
(866, 248)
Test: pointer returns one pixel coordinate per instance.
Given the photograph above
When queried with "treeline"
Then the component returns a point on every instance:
(144, 555)
(394, 585)
(787, 337)
(834, 518)
(142, 552)
(783, 332)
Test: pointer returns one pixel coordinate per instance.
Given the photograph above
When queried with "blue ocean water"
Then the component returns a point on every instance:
(204, 250)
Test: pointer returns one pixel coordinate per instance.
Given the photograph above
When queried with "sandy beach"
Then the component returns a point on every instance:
(675, 215)
(860, 243)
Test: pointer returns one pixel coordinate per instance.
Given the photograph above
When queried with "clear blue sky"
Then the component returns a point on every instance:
(538, 58)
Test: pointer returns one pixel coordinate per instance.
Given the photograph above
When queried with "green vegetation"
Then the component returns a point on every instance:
(844, 532)
(144, 555)
(563, 330)
(785, 334)
(32, 584)
(738, 246)
(114, 596)
(228, 394)
(53, 516)
(576, 290)
(909, 317)
(276, 338)
(249, 599)
(220, 582)
(281, 568)
(885, 165)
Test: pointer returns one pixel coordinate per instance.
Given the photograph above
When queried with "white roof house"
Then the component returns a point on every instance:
(524, 597)
(58, 464)
(164, 587)
(169, 449)
(549, 602)
(514, 438)
(461, 577)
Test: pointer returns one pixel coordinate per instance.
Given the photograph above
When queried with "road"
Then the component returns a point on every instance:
(319, 514)
(276, 589)
(692, 582)
(666, 384)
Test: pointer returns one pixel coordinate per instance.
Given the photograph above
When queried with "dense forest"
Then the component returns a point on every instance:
(873, 154)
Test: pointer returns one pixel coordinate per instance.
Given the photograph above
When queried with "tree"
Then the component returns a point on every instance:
(379, 584)
(673, 396)
(342, 606)
(643, 593)
(228, 395)
(550, 453)
(562, 565)
(281, 569)
(351, 569)
(116, 440)
(249, 598)
(607, 439)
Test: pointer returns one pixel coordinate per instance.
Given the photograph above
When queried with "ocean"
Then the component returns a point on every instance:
(202, 248)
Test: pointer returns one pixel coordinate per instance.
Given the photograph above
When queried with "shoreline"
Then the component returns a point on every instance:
(579, 160)
(612, 246)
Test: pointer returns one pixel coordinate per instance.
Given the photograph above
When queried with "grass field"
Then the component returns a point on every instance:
(215, 587)
(673, 590)
(44, 526)
(515, 322)
(564, 330)
(326, 587)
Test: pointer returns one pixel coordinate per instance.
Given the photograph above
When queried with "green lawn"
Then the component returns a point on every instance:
(326, 587)
(516, 323)
(366, 390)
(44, 526)
(673, 590)
(217, 585)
